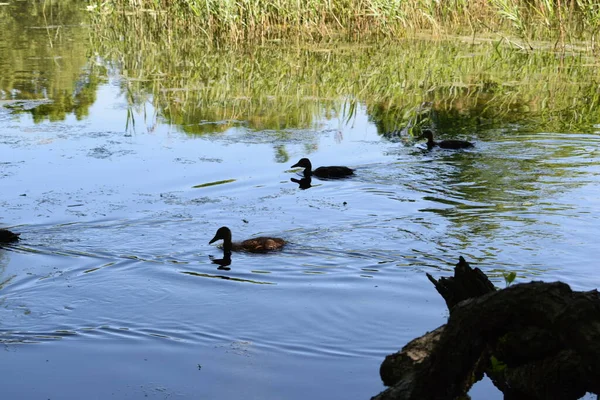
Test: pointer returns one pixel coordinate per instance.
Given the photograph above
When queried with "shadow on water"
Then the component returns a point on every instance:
(222, 262)
(303, 183)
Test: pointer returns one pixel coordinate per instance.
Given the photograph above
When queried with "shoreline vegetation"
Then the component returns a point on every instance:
(562, 21)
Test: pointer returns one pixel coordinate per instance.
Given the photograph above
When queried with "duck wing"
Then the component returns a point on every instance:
(260, 244)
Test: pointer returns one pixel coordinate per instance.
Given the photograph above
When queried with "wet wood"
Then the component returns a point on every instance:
(466, 283)
(543, 338)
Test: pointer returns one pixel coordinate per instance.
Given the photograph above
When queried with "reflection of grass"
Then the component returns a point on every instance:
(457, 84)
(43, 57)
(315, 19)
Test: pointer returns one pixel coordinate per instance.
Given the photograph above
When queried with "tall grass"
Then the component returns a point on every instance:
(239, 20)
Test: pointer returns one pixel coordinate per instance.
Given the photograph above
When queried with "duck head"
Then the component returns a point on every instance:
(426, 134)
(222, 233)
(304, 163)
(7, 236)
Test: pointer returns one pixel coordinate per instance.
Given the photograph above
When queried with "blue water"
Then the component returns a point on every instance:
(111, 292)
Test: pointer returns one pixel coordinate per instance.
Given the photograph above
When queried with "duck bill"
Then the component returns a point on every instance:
(295, 165)
(214, 239)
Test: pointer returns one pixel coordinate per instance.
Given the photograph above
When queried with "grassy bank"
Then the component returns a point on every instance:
(563, 20)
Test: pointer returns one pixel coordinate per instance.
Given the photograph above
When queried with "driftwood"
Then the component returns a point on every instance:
(466, 283)
(535, 341)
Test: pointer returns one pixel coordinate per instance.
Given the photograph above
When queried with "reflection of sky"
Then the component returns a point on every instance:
(98, 160)
(401, 198)
(111, 224)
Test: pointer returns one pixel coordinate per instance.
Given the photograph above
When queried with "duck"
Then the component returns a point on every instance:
(260, 244)
(323, 172)
(444, 144)
(7, 236)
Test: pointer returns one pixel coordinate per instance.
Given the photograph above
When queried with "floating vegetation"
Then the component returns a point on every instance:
(213, 183)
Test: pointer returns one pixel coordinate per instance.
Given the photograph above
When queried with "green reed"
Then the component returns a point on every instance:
(240, 20)
(458, 84)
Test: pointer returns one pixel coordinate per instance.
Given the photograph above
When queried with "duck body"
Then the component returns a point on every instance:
(262, 244)
(331, 172)
(7, 236)
(444, 144)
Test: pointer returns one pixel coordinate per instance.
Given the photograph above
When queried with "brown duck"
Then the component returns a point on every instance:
(444, 144)
(7, 236)
(323, 172)
(255, 245)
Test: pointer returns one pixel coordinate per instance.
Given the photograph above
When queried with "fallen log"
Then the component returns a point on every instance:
(535, 341)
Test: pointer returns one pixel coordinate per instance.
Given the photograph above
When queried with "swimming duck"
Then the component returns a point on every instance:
(444, 144)
(7, 236)
(323, 172)
(255, 245)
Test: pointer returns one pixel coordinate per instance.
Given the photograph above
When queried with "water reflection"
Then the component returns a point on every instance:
(43, 56)
(501, 188)
(303, 183)
(277, 89)
(222, 262)
(117, 254)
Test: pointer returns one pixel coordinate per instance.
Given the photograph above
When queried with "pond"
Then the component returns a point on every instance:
(120, 162)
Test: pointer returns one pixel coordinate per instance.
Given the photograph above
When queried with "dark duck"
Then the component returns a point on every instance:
(7, 236)
(323, 172)
(444, 144)
(261, 244)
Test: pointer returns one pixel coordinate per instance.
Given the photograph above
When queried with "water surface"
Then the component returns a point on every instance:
(111, 292)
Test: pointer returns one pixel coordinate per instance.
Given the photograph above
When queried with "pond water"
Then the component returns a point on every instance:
(111, 292)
